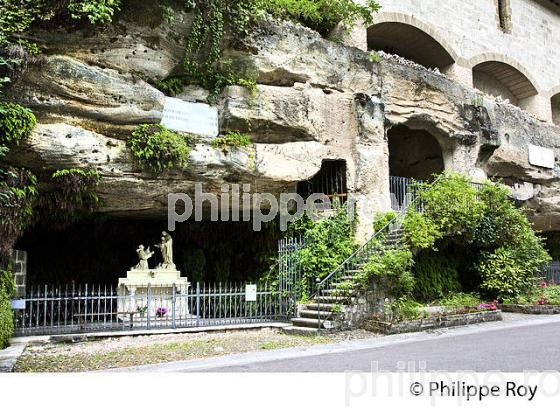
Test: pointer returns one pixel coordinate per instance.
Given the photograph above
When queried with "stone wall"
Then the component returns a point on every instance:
(19, 270)
(471, 33)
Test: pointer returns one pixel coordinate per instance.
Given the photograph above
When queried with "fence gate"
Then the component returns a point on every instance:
(290, 274)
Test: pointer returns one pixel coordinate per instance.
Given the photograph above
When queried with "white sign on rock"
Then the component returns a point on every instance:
(194, 118)
(541, 157)
(250, 293)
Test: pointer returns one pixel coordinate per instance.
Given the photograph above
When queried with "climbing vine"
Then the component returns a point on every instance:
(218, 22)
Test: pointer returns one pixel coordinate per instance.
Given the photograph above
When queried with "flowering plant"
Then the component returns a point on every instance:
(161, 311)
(487, 306)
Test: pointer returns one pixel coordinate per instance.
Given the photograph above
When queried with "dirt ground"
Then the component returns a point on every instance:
(139, 350)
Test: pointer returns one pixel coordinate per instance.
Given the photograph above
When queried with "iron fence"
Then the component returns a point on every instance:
(85, 308)
(552, 272)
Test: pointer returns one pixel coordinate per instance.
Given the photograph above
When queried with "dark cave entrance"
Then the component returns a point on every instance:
(414, 153)
(99, 250)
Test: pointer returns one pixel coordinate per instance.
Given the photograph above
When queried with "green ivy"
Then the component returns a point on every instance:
(232, 139)
(157, 148)
(328, 242)
(16, 123)
(218, 20)
(436, 274)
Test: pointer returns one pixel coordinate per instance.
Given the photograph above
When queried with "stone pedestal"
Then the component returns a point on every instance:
(150, 293)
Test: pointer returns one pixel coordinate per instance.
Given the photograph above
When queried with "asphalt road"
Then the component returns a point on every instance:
(532, 347)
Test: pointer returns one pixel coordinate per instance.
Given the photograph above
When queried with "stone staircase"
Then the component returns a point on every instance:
(325, 311)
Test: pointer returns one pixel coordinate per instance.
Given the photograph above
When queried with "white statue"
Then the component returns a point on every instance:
(144, 255)
(166, 248)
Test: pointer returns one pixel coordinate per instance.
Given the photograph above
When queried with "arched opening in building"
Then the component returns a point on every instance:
(555, 101)
(409, 42)
(330, 180)
(413, 153)
(500, 79)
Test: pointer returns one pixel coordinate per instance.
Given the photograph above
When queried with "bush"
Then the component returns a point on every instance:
(436, 275)
(481, 221)
(6, 319)
(232, 139)
(405, 309)
(323, 15)
(16, 123)
(394, 265)
(459, 300)
(156, 148)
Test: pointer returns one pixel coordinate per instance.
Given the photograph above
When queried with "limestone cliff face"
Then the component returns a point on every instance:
(316, 100)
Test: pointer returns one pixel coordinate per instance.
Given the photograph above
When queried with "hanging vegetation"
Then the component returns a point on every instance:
(157, 148)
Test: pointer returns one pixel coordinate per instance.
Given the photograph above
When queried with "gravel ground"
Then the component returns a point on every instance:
(133, 351)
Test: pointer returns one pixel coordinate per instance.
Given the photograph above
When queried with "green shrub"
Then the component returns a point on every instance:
(405, 309)
(6, 319)
(458, 300)
(436, 275)
(506, 272)
(16, 123)
(382, 219)
(394, 265)
(97, 11)
(156, 148)
(484, 222)
(232, 139)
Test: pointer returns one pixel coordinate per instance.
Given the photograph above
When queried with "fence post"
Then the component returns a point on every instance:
(149, 297)
(173, 302)
(318, 304)
(197, 304)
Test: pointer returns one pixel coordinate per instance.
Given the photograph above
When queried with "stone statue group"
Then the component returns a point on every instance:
(166, 249)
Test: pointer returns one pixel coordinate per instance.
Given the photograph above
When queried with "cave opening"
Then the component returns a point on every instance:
(330, 180)
(101, 249)
(413, 153)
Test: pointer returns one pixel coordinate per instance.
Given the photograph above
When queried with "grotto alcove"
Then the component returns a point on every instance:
(414, 153)
(101, 249)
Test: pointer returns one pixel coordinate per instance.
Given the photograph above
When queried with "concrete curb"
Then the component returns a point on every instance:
(82, 337)
(10, 355)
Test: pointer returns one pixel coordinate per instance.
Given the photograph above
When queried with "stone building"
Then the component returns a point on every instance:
(465, 86)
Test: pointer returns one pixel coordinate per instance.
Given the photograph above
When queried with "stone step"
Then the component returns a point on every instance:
(315, 314)
(312, 323)
(300, 331)
(323, 299)
(322, 307)
(338, 292)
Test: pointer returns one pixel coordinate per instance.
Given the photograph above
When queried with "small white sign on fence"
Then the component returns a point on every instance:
(250, 293)
(18, 304)
(195, 118)
(541, 157)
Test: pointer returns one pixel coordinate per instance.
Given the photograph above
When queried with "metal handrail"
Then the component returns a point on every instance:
(369, 244)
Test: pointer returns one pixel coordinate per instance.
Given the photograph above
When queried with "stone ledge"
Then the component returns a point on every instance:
(420, 325)
(531, 309)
